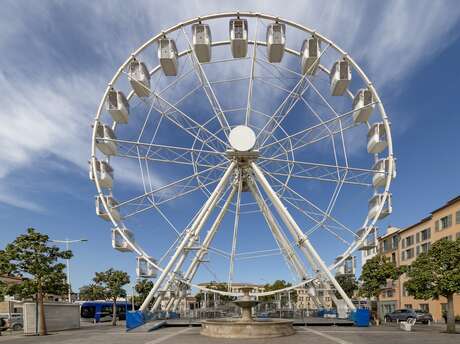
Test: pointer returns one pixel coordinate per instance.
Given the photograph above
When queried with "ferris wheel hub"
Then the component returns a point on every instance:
(242, 138)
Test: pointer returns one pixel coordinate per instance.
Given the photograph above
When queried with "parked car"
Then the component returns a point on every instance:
(3, 325)
(405, 314)
(12, 321)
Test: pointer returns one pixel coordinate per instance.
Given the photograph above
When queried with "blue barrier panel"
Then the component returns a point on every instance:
(173, 315)
(361, 317)
(134, 319)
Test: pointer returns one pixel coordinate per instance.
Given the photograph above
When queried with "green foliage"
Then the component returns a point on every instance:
(375, 274)
(112, 282)
(277, 285)
(348, 284)
(437, 272)
(142, 288)
(92, 292)
(216, 286)
(30, 257)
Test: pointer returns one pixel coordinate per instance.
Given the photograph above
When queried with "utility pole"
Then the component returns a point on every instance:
(67, 242)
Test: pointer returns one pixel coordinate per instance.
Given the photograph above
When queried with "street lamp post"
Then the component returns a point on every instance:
(67, 242)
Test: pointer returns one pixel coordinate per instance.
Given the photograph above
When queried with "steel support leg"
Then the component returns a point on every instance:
(193, 268)
(280, 238)
(299, 234)
(190, 233)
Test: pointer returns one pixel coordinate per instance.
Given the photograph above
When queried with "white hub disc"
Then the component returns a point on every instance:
(242, 138)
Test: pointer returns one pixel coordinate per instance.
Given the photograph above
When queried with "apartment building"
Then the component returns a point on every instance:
(304, 300)
(403, 246)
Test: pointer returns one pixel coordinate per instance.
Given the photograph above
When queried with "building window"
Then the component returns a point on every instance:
(457, 236)
(457, 217)
(425, 307)
(386, 245)
(408, 306)
(425, 234)
(425, 247)
(444, 222)
(409, 241)
(407, 254)
(389, 293)
(394, 242)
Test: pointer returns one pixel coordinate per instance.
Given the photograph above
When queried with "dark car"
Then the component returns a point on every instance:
(405, 314)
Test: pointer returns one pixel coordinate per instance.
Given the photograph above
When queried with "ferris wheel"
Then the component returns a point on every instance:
(229, 121)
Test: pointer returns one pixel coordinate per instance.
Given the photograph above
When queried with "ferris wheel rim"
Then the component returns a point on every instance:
(368, 223)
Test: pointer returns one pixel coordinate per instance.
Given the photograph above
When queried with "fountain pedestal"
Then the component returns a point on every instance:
(246, 326)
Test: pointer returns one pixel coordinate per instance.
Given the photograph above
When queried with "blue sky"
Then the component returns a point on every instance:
(57, 58)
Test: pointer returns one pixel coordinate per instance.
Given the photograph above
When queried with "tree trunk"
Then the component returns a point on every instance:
(450, 314)
(42, 320)
(114, 312)
(377, 318)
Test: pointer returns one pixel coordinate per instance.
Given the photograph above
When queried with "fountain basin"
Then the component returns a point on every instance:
(235, 328)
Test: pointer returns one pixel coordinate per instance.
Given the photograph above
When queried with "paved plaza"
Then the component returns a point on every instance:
(191, 335)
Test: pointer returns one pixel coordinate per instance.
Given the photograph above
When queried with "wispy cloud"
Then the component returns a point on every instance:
(56, 59)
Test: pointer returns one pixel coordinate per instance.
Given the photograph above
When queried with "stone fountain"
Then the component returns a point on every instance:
(246, 326)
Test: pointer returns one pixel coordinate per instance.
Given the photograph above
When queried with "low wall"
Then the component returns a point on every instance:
(58, 317)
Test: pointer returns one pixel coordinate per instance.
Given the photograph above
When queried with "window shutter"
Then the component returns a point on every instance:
(457, 217)
(449, 220)
(417, 237)
(403, 243)
(436, 225)
(418, 250)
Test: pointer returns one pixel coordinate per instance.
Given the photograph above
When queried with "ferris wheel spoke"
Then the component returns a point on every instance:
(286, 105)
(251, 77)
(318, 225)
(187, 123)
(311, 205)
(313, 134)
(168, 161)
(209, 91)
(168, 153)
(317, 171)
(166, 188)
(331, 108)
(235, 230)
(284, 247)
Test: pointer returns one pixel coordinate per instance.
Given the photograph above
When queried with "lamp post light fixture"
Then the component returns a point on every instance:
(67, 242)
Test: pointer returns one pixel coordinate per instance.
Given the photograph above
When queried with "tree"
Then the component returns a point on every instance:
(437, 273)
(143, 288)
(348, 284)
(277, 285)
(92, 292)
(30, 257)
(374, 276)
(216, 286)
(112, 281)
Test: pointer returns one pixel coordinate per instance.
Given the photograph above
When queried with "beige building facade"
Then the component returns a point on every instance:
(304, 300)
(403, 246)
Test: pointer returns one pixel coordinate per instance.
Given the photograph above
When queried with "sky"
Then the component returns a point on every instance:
(57, 58)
